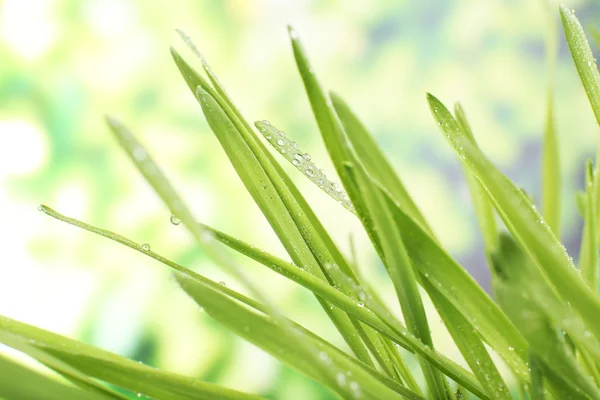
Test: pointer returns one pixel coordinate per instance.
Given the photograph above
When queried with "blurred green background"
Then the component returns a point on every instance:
(64, 64)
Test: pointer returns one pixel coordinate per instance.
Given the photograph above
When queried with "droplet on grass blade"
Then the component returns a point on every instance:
(146, 247)
(302, 161)
(174, 220)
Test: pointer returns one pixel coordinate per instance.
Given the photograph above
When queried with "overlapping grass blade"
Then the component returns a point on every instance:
(537, 379)
(523, 220)
(113, 368)
(588, 256)
(374, 160)
(583, 58)
(516, 290)
(264, 332)
(20, 382)
(402, 274)
(269, 191)
(391, 328)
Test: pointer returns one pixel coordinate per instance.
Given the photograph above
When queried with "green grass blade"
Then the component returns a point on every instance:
(274, 207)
(583, 58)
(483, 208)
(551, 182)
(353, 380)
(537, 379)
(115, 369)
(523, 220)
(519, 282)
(469, 343)
(402, 274)
(268, 189)
(20, 382)
(588, 257)
(374, 159)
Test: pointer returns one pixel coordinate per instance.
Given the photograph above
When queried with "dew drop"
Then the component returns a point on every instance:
(510, 348)
(306, 156)
(280, 142)
(309, 172)
(146, 247)
(298, 157)
(360, 304)
(222, 283)
(296, 162)
(174, 220)
(40, 208)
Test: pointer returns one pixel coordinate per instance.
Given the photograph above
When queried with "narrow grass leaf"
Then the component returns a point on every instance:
(353, 381)
(402, 274)
(115, 369)
(374, 160)
(537, 379)
(588, 256)
(21, 382)
(583, 58)
(519, 281)
(523, 220)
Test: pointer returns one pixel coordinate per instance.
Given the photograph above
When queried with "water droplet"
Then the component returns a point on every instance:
(174, 220)
(296, 162)
(360, 304)
(268, 137)
(293, 33)
(589, 63)
(309, 172)
(306, 156)
(40, 208)
(265, 122)
(280, 142)
(510, 348)
(298, 157)
(146, 247)
(222, 283)
(324, 357)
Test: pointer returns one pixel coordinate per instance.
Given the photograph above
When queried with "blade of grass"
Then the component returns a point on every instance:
(115, 369)
(402, 274)
(265, 333)
(20, 382)
(537, 379)
(391, 328)
(588, 256)
(163, 188)
(523, 220)
(582, 57)
(551, 183)
(374, 159)
(519, 282)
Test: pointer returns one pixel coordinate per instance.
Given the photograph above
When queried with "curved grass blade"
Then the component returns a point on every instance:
(516, 289)
(523, 220)
(115, 369)
(20, 382)
(264, 332)
(374, 159)
(537, 379)
(583, 58)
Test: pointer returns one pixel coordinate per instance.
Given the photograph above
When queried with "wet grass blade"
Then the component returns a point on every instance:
(588, 257)
(402, 274)
(523, 220)
(284, 211)
(21, 382)
(583, 58)
(374, 159)
(115, 369)
(354, 380)
(537, 379)
(516, 289)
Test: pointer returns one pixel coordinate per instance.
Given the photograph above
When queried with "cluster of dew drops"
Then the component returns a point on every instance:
(302, 161)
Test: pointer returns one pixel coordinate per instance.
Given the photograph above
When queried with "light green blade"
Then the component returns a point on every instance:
(113, 368)
(551, 182)
(523, 220)
(263, 331)
(374, 159)
(583, 58)
(20, 382)
(588, 256)
(517, 291)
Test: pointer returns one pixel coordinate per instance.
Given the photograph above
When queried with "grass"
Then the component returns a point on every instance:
(543, 323)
